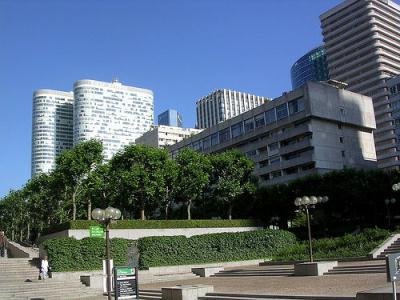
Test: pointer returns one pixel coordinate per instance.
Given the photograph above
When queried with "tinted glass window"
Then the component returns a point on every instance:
(259, 120)
(248, 125)
(281, 111)
(270, 116)
(214, 139)
(224, 135)
(237, 129)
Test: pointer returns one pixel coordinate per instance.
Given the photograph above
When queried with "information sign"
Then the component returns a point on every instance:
(393, 267)
(125, 283)
(96, 231)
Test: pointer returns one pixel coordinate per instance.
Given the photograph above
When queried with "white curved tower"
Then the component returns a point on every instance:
(111, 112)
(51, 128)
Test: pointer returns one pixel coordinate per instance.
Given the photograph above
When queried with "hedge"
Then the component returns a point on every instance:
(208, 248)
(69, 254)
(345, 246)
(154, 224)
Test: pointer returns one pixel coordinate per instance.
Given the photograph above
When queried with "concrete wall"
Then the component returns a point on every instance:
(134, 234)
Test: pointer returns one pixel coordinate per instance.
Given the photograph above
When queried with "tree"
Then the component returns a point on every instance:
(140, 176)
(75, 165)
(231, 176)
(170, 174)
(193, 176)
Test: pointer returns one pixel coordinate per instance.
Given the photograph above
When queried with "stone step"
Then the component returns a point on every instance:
(253, 274)
(373, 267)
(225, 296)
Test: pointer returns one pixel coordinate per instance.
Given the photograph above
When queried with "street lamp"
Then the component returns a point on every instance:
(106, 217)
(305, 203)
(387, 202)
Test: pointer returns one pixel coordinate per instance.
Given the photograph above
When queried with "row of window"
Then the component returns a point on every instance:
(270, 116)
(395, 89)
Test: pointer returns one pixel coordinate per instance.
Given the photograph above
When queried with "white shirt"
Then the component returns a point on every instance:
(45, 265)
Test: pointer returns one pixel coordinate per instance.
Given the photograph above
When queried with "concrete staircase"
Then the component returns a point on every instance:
(153, 278)
(224, 296)
(358, 268)
(393, 248)
(287, 270)
(19, 280)
(150, 294)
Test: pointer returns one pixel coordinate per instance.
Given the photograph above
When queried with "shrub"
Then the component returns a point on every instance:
(69, 254)
(339, 247)
(219, 247)
(154, 224)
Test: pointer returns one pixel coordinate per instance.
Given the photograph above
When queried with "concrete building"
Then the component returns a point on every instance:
(224, 104)
(311, 66)
(394, 98)
(111, 112)
(170, 117)
(52, 123)
(362, 42)
(162, 136)
(314, 129)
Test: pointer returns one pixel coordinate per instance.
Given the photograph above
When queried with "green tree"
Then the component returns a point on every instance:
(139, 169)
(231, 176)
(170, 174)
(75, 166)
(193, 176)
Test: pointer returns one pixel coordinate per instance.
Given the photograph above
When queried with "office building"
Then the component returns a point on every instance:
(311, 66)
(52, 123)
(170, 117)
(394, 98)
(362, 42)
(114, 113)
(314, 129)
(224, 104)
(162, 136)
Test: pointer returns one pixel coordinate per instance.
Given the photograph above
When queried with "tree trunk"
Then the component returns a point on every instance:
(74, 205)
(230, 211)
(189, 215)
(28, 231)
(142, 217)
(166, 211)
(89, 210)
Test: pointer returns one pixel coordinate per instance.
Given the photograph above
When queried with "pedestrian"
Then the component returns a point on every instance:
(3, 244)
(44, 269)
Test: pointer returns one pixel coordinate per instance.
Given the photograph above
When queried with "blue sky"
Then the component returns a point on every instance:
(180, 49)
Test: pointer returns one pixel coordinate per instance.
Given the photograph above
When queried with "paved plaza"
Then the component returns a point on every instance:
(328, 285)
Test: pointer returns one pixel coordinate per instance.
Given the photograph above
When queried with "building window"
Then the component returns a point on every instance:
(197, 146)
(270, 116)
(276, 174)
(281, 111)
(341, 139)
(248, 125)
(224, 135)
(251, 153)
(339, 126)
(206, 143)
(274, 160)
(296, 106)
(343, 153)
(214, 139)
(259, 120)
(273, 147)
(237, 129)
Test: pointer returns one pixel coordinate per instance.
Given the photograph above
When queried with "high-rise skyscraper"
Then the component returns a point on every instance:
(394, 98)
(362, 42)
(51, 128)
(111, 112)
(311, 66)
(170, 117)
(224, 104)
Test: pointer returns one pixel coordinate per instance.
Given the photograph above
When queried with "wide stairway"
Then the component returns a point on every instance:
(393, 248)
(365, 267)
(19, 280)
(278, 270)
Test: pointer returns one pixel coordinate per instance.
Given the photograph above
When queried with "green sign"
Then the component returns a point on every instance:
(96, 231)
(125, 271)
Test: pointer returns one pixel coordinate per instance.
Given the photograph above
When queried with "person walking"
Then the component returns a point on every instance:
(3, 244)
(44, 268)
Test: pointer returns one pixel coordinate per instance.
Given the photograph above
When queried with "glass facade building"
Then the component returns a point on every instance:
(311, 66)
(112, 113)
(52, 123)
(171, 117)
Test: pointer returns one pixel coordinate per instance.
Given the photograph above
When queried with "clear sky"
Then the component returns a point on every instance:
(180, 49)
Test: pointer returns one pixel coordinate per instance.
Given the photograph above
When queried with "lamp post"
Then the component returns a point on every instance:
(106, 217)
(305, 203)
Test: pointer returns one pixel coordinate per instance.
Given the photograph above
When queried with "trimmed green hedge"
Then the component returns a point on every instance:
(154, 224)
(219, 247)
(69, 254)
(345, 246)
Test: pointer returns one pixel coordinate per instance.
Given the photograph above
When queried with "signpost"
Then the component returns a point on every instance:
(393, 271)
(126, 283)
(96, 231)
